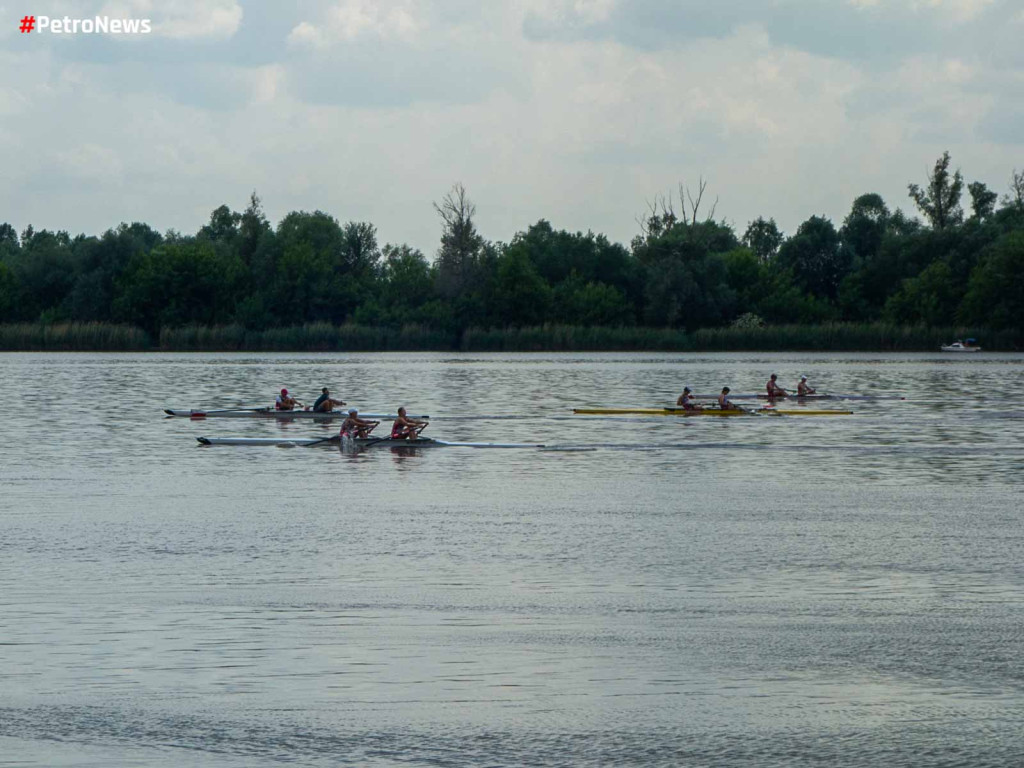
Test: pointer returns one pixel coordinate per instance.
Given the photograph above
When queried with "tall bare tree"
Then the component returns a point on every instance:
(661, 214)
(1016, 197)
(461, 244)
(940, 200)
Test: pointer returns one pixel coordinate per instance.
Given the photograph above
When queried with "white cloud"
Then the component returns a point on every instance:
(349, 20)
(957, 11)
(266, 83)
(202, 19)
(592, 11)
(305, 34)
(91, 162)
(952, 10)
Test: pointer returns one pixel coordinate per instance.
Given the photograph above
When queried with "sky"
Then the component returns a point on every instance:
(581, 112)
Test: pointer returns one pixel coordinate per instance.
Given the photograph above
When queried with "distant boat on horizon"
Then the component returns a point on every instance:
(970, 345)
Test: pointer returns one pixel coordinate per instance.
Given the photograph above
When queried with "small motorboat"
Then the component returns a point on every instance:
(970, 345)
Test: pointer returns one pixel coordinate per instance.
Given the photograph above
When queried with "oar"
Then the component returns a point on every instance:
(332, 438)
(739, 408)
(751, 411)
(376, 440)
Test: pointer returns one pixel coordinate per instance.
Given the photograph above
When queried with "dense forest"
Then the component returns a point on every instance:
(685, 270)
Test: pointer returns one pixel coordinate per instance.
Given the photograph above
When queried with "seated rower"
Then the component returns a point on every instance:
(687, 402)
(725, 403)
(405, 428)
(803, 388)
(774, 390)
(285, 402)
(354, 427)
(325, 403)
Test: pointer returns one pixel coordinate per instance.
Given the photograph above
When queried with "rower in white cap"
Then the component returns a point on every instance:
(803, 388)
(353, 426)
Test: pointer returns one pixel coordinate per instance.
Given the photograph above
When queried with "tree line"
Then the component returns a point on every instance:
(684, 269)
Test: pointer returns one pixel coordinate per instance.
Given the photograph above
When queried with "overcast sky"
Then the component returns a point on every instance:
(578, 111)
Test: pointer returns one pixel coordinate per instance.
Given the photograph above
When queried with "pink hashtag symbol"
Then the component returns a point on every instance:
(28, 23)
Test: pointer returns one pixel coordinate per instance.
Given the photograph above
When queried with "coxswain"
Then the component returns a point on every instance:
(285, 402)
(354, 427)
(405, 428)
(774, 390)
(686, 401)
(325, 403)
(803, 388)
(725, 403)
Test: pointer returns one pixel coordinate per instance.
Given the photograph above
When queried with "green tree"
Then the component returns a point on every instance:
(44, 271)
(577, 302)
(406, 284)
(253, 227)
(939, 201)
(360, 255)
(685, 284)
(763, 238)
(983, 201)
(781, 300)
(816, 258)
(310, 282)
(929, 299)
(994, 295)
(8, 293)
(223, 226)
(592, 258)
(744, 274)
(99, 262)
(176, 284)
(865, 226)
(1015, 198)
(521, 296)
(9, 244)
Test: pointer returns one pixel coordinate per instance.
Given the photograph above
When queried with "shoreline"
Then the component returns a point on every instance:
(838, 337)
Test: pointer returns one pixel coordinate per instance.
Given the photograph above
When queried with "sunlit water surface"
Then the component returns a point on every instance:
(768, 591)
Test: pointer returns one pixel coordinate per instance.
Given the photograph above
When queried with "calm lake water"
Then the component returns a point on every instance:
(769, 591)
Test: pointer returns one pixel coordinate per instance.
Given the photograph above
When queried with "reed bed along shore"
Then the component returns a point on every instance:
(314, 337)
(73, 337)
(324, 337)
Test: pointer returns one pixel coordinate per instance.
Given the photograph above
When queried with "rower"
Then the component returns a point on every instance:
(725, 403)
(774, 390)
(285, 402)
(803, 388)
(686, 401)
(405, 428)
(325, 403)
(354, 427)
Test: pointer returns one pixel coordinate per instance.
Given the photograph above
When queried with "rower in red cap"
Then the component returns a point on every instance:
(285, 403)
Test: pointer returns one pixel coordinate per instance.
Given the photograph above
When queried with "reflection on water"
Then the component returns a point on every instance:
(742, 591)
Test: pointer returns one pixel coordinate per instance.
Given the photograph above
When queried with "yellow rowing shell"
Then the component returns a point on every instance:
(707, 412)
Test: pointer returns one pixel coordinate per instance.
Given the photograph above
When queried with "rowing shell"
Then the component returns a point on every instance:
(239, 413)
(801, 398)
(423, 442)
(706, 412)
